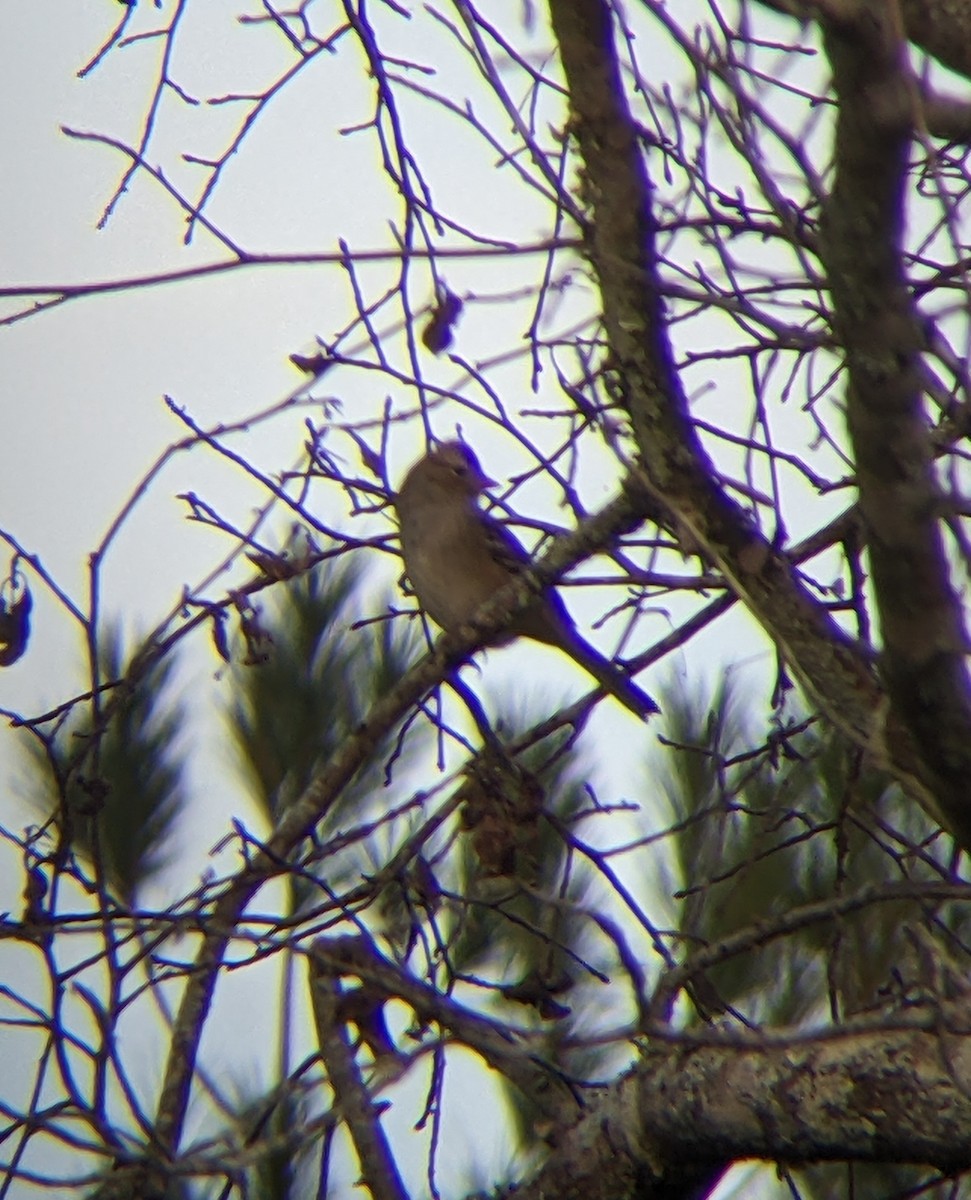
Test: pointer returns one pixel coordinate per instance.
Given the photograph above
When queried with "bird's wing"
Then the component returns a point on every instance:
(506, 549)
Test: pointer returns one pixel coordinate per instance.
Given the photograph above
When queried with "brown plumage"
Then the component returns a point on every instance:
(457, 557)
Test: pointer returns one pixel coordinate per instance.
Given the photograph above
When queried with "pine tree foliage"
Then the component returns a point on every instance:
(116, 792)
(318, 675)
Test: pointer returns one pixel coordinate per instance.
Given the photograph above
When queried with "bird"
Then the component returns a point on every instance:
(457, 556)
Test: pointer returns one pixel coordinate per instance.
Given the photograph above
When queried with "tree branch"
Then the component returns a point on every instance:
(379, 1170)
(921, 623)
(622, 249)
(941, 27)
(881, 1096)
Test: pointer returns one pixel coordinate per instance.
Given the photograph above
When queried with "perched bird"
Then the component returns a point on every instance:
(458, 556)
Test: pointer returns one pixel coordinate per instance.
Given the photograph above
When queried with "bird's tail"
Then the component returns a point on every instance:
(613, 679)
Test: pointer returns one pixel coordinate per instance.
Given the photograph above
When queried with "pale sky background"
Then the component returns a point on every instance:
(83, 384)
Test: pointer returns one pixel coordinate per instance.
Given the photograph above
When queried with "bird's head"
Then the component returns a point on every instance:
(452, 468)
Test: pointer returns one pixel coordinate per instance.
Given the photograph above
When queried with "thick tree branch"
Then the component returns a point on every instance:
(922, 627)
(887, 1095)
(941, 27)
(352, 1100)
(623, 252)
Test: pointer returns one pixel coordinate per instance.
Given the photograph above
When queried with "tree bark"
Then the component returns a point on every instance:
(665, 1129)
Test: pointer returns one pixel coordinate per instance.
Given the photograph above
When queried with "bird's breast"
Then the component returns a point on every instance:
(448, 565)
